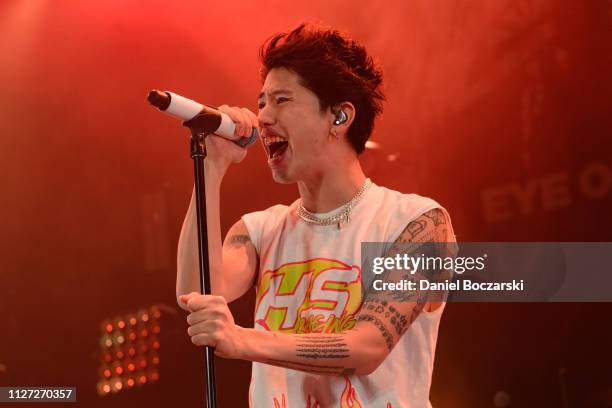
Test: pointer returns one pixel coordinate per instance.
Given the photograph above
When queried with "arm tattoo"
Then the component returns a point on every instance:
(413, 229)
(381, 328)
(436, 215)
(382, 307)
(237, 241)
(313, 347)
(427, 235)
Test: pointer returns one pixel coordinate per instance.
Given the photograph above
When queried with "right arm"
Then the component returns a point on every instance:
(233, 264)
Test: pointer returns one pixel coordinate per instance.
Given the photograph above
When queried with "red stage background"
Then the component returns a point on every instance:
(500, 110)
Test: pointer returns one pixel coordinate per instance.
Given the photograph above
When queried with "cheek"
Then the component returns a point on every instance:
(308, 131)
(316, 132)
(310, 142)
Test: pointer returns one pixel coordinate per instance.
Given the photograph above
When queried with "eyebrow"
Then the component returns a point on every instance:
(275, 92)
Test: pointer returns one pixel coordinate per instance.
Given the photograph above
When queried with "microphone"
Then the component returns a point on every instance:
(200, 117)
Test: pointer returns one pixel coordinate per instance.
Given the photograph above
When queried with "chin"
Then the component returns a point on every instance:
(282, 178)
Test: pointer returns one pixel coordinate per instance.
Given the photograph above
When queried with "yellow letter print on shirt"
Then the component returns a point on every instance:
(314, 296)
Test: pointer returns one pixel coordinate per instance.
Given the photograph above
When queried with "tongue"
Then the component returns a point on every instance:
(278, 152)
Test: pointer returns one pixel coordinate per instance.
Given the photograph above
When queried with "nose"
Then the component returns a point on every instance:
(266, 116)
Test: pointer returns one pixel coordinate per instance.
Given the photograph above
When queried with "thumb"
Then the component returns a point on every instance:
(185, 298)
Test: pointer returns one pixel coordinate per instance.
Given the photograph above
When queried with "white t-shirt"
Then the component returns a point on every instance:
(310, 281)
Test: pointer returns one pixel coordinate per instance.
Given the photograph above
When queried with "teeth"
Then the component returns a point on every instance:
(268, 140)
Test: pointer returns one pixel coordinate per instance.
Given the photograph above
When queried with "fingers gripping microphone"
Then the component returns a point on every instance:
(197, 116)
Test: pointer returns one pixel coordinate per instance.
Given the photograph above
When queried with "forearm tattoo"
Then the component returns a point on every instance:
(315, 348)
(382, 307)
(381, 327)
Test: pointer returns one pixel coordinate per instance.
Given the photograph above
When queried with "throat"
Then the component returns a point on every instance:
(328, 199)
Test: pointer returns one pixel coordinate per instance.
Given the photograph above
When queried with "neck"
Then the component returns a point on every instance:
(332, 189)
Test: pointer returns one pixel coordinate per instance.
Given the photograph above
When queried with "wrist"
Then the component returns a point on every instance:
(215, 168)
(244, 343)
(214, 171)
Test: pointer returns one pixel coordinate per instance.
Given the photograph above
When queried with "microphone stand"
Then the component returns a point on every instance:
(202, 125)
(199, 130)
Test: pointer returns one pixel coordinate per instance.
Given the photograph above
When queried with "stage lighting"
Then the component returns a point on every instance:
(129, 347)
(103, 387)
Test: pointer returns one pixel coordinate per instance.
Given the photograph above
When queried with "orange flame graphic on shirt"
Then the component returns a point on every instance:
(349, 396)
(280, 405)
(314, 405)
(283, 404)
(348, 399)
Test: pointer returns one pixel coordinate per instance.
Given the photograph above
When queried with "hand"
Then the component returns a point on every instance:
(222, 152)
(211, 324)
(244, 119)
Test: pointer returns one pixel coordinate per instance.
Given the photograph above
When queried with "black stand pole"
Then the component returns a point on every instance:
(201, 125)
(198, 153)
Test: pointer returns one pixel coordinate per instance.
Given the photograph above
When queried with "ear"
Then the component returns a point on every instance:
(342, 116)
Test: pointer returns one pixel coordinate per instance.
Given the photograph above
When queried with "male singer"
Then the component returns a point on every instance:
(319, 340)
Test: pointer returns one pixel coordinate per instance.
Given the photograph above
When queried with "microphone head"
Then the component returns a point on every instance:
(247, 141)
(159, 99)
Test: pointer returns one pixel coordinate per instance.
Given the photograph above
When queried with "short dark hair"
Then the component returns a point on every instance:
(334, 67)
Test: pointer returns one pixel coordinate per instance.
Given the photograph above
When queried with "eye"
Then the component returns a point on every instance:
(260, 105)
(281, 99)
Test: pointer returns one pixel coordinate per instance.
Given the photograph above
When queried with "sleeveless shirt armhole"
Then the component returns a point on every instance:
(432, 206)
(250, 221)
(453, 238)
(397, 232)
(260, 223)
(434, 313)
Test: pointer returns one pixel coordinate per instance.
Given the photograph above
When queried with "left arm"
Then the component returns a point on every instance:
(380, 324)
(355, 351)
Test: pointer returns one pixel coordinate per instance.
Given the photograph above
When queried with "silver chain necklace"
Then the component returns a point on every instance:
(344, 217)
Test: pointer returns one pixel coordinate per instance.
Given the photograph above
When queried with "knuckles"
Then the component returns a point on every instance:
(206, 339)
(208, 319)
(203, 301)
(198, 341)
(238, 114)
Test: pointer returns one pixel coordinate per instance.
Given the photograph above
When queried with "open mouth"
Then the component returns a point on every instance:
(275, 146)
